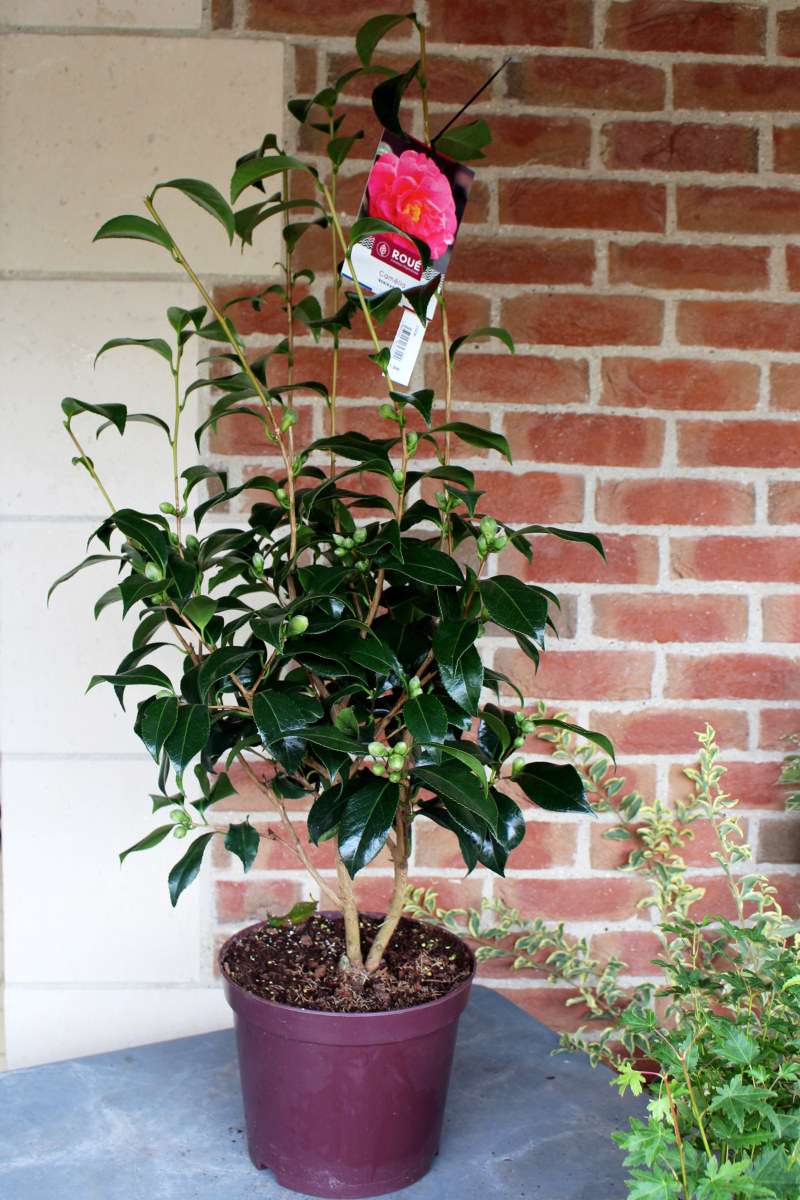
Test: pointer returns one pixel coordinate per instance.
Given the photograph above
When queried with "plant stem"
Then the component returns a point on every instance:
(176, 374)
(423, 82)
(352, 929)
(395, 910)
(89, 466)
(680, 1139)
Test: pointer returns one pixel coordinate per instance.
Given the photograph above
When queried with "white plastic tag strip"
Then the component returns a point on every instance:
(406, 347)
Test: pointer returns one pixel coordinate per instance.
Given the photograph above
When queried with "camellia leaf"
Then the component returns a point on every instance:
(599, 739)
(117, 414)
(220, 664)
(159, 722)
(452, 639)
(276, 715)
(422, 401)
(87, 562)
(134, 227)
(426, 719)
(243, 840)
(376, 656)
(158, 344)
(257, 169)
(387, 98)
(145, 674)
(200, 610)
(488, 331)
(148, 842)
(207, 197)
(464, 680)
(553, 787)
(567, 535)
(189, 736)
(135, 527)
(456, 781)
(373, 30)
(366, 823)
(513, 605)
(428, 566)
(136, 588)
(473, 435)
(510, 821)
(464, 142)
(187, 870)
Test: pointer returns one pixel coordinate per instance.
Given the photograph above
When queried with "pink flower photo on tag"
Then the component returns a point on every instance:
(412, 193)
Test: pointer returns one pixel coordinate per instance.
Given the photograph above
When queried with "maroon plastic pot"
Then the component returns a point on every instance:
(349, 1104)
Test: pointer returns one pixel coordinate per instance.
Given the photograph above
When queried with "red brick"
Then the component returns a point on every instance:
(607, 854)
(573, 899)
(450, 80)
(781, 618)
(596, 440)
(689, 27)
(784, 503)
(669, 731)
(680, 383)
(786, 149)
(784, 379)
(632, 559)
(749, 559)
(249, 798)
(583, 204)
(719, 268)
(275, 856)
(752, 783)
(793, 268)
(670, 618)
(521, 260)
(727, 88)
(512, 23)
(718, 901)
(327, 18)
(528, 140)
(245, 435)
(372, 893)
(477, 211)
(732, 677)
(270, 320)
(738, 444)
(576, 319)
(779, 841)
(674, 502)
(776, 724)
(596, 83)
(548, 1005)
(546, 844)
(541, 497)
(635, 948)
(524, 379)
(661, 146)
(750, 210)
(305, 70)
(581, 674)
(222, 14)
(739, 324)
(789, 33)
(254, 900)
(356, 117)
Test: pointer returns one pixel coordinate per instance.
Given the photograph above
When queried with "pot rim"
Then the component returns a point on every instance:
(315, 1012)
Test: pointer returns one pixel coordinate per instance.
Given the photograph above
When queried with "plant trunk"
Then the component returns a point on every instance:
(352, 960)
(398, 892)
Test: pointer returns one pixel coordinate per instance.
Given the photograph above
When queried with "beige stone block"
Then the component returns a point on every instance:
(91, 124)
(111, 14)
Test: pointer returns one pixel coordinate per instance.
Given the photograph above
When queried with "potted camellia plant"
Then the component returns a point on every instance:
(330, 644)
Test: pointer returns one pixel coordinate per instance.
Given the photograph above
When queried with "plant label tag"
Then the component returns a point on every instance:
(406, 347)
(419, 192)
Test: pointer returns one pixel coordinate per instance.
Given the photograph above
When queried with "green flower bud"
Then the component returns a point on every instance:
(299, 463)
(483, 547)
(179, 831)
(360, 536)
(297, 625)
(166, 507)
(378, 768)
(177, 814)
(173, 538)
(395, 777)
(401, 748)
(153, 572)
(488, 528)
(481, 628)
(411, 441)
(348, 543)
(517, 765)
(387, 411)
(289, 418)
(164, 694)
(378, 750)
(397, 476)
(282, 496)
(338, 540)
(414, 686)
(395, 762)
(340, 551)
(258, 563)
(362, 565)
(518, 742)
(519, 717)
(528, 726)
(441, 500)
(192, 543)
(500, 543)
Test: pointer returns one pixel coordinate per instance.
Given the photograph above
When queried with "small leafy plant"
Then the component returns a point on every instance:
(720, 1040)
(332, 654)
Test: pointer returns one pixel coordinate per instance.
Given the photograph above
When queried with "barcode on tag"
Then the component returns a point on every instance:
(405, 348)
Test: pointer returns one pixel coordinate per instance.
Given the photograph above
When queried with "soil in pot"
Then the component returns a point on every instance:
(299, 966)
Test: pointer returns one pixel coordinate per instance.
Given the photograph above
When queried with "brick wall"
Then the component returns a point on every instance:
(636, 226)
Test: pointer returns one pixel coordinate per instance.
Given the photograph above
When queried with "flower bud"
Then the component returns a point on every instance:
(192, 543)
(362, 565)
(378, 750)
(488, 528)
(528, 726)
(395, 777)
(483, 547)
(282, 496)
(441, 500)
(348, 543)
(411, 441)
(289, 418)
(378, 768)
(519, 742)
(519, 717)
(414, 686)
(166, 507)
(338, 540)
(173, 538)
(360, 536)
(401, 748)
(517, 765)
(297, 625)
(397, 476)
(395, 762)
(258, 563)
(179, 831)
(500, 543)
(153, 572)
(340, 552)
(177, 814)
(387, 411)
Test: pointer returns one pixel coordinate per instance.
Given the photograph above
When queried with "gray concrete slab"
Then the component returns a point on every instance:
(164, 1122)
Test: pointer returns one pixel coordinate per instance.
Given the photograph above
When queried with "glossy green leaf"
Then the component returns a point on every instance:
(373, 30)
(326, 811)
(376, 656)
(469, 828)
(451, 639)
(338, 148)
(133, 526)
(420, 297)
(464, 681)
(139, 418)
(553, 787)
(134, 227)
(187, 739)
(488, 331)
(117, 414)
(426, 719)
(207, 197)
(428, 566)
(188, 868)
(387, 98)
(148, 842)
(243, 840)
(200, 610)
(366, 823)
(367, 226)
(456, 781)
(599, 739)
(510, 821)
(145, 675)
(333, 739)
(469, 761)
(263, 168)
(421, 400)
(112, 596)
(91, 561)
(219, 665)
(567, 535)
(513, 605)
(179, 317)
(136, 588)
(473, 435)
(159, 722)
(464, 142)
(157, 344)
(276, 715)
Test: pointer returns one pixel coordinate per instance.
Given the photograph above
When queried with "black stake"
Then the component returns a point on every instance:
(471, 101)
